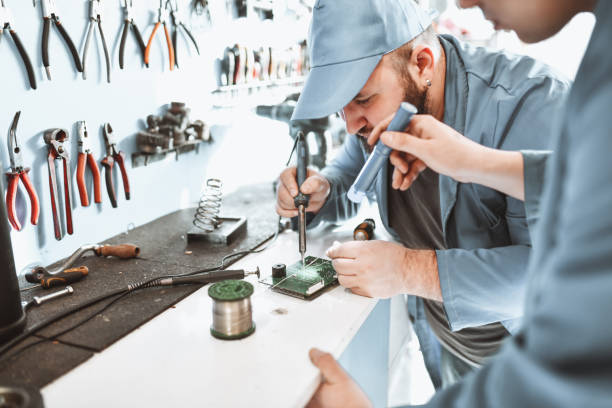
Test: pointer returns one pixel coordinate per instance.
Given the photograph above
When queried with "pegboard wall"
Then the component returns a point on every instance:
(245, 148)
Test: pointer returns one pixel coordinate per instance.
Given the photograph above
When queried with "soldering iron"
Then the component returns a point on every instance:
(301, 200)
(379, 156)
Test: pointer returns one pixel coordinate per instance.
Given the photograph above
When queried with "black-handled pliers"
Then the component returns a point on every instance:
(128, 21)
(95, 19)
(176, 24)
(114, 156)
(6, 23)
(49, 13)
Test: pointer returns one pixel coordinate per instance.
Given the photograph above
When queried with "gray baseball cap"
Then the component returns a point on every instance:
(347, 39)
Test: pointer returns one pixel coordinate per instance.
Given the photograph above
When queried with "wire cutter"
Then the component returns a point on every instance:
(176, 24)
(112, 156)
(55, 139)
(18, 172)
(6, 23)
(162, 17)
(49, 13)
(86, 157)
(128, 21)
(95, 18)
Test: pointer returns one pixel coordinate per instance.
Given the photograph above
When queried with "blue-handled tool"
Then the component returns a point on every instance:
(379, 156)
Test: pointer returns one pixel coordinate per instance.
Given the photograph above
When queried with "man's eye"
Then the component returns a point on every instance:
(363, 101)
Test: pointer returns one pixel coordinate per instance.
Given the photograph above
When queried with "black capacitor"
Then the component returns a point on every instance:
(365, 230)
(279, 270)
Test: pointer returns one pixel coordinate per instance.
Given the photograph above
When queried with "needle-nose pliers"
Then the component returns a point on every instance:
(176, 24)
(95, 18)
(18, 171)
(49, 13)
(128, 21)
(113, 155)
(6, 23)
(162, 17)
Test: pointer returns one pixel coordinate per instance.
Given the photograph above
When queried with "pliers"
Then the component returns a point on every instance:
(18, 172)
(176, 24)
(128, 20)
(112, 156)
(86, 157)
(6, 23)
(162, 17)
(49, 13)
(95, 18)
(55, 139)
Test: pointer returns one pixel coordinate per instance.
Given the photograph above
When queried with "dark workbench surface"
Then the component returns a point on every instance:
(164, 251)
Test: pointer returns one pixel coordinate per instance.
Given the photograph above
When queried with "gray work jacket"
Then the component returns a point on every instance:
(562, 356)
(501, 101)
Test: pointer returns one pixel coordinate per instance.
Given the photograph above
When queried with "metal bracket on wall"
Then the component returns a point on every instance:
(140, 159)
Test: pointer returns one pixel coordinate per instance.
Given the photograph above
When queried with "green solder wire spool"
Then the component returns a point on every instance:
(232, 312)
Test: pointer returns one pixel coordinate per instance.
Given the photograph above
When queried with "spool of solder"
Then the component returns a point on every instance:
(232, 312)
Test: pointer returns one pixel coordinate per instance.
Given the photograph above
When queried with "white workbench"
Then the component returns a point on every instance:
(173, 361)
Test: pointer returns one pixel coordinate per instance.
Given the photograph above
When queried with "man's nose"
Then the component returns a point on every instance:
(354, 118)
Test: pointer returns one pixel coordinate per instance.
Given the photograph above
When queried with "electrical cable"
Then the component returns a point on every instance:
(121, 292)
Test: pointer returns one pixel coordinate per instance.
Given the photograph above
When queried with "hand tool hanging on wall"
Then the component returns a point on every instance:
(86, 158)
(44, 279)
(6, 23)
(162, 17)
(176, 24)
(128, 21)
(95, 18)
(55, 139)
(49, 13)
(113, 155)
(18, 172)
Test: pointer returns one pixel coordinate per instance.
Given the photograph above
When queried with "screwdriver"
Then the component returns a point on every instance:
(46, 280)
(39, 300)
(301, 200)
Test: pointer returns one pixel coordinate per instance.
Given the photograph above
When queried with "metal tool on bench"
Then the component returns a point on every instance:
(41, 276)
(379, 156)
(95, 18)
(162, 18)
(114, 156)
(85, 158)
(49, 14)
(301, 200)
(128, 21)
(208, 225)
(18, 172)
(6, 23)
(176, 25)
(39, 300)
(56, 139)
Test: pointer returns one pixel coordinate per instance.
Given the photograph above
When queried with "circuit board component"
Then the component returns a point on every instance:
(305, 282)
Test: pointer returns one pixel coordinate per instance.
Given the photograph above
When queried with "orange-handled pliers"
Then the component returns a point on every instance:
(86, 157)
(18, 172)
(162, 17)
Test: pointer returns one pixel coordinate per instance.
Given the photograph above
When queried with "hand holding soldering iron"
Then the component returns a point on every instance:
(315, 185)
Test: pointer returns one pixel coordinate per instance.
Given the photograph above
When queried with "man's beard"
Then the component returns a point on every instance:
(411, 95)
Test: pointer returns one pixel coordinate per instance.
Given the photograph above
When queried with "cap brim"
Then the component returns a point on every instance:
(330, 88)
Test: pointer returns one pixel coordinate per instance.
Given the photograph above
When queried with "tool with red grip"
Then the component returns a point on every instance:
(55, 139)
(18, 172)
(86, 158)
(114, 156)
(162, 18)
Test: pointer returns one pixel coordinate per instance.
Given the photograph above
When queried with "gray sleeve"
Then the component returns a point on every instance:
(534, 165)
(341, 173)
(487, 285)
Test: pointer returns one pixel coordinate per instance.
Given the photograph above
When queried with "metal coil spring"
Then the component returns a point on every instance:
(207, 214)
(144, 284)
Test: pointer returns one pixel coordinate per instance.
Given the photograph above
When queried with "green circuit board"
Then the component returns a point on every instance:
(305, 283)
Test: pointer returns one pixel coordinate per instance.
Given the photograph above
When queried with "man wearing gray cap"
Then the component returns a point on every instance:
(465, 247)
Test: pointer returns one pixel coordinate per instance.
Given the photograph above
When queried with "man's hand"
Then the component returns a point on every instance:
(315, 185)
(384, 269)
(337, 388)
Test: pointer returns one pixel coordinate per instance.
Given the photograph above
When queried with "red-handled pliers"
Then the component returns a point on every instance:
(18, 172)
(162, 17)
(86, 157)
(113, 155)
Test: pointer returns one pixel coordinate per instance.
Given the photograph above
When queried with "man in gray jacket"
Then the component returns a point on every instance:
(466, 247)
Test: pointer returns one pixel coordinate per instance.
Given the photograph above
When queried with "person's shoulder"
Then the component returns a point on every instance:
(516, 74)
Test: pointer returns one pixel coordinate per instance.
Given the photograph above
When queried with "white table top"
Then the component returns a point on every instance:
(173, 360)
